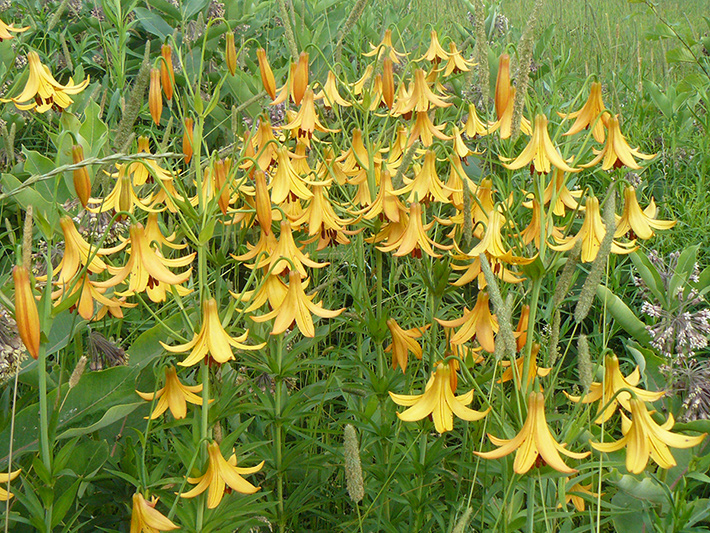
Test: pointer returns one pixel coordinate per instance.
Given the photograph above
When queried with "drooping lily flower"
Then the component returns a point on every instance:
(477, 323)
(540, 151)
(211, 340)
(533, 440)
(403, 342)
(297, 307)
(220, 472)
(414, 240)
(641, 222)
(385, 47)
(455, 63)
(533, 370)
(329, 93)
(4, 478)
(426, 185)
(5, 30)
(44, 91)
(616, 151)
(424, 130)
(645, 438)
(504, 124)
(592, 114)
(174, 395)
(145, 518)
(474, 126)
(122, 197)
(435, 52)
(267, 75)
(614, 381)
(439, 401)
(420, 99)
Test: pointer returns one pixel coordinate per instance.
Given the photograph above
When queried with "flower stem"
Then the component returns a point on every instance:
(278, 435)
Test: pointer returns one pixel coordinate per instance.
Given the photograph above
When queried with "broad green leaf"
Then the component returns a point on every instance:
(683, 270)
(113, 414)
(93, 130)
(153, 23)
(192, 7)
(679, 55)
(649, 275)
(63, 503)
(623, 315)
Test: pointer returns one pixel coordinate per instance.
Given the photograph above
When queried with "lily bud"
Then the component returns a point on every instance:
(125, 202)
(300, 78)
(230, 54)
(167, 77)
(387, 82)
(267, 75)
(502, 84)
(263, 203)
(155, 101)
(26, 314)
(187, 140)
(82, 182)
(221, 168)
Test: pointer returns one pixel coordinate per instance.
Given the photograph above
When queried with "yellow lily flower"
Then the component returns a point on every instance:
(563, 198)
(591, 234)
(385, 47)
(640, 222)
(306, 120)
(587, 115)
(533, 369)
(424, 130)
(540, 151)
(26, 314)
(477, 323)
(533, 440)
(435, 52)
(212, 339)
(4, 478)
(87, 293)
(474, 126)
(403, 342)
(455, 63)
(272, 290)
(286, 181)
(420, 99)
(122, 197)
(145, 518)
(5, 30)
(644, 438)
(329, 93)
(276, 262)
(324, 225)
(414, 239)
(616, 151)
(44, 91)
(472, 271)
(439, 401)
(140, 171)
(386, 203)
(173, 395)
(145, 266)
(614, 381)
(296, 306)
(426, 185)
(220, 472)
(572, 494)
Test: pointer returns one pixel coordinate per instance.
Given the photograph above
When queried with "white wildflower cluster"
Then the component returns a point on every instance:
(691, 380)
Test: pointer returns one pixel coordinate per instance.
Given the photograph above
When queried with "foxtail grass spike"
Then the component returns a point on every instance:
(524, 63)
(462, 522)
(288, 30)
(589, 289)
(65, 52)
(58, 12)
(564, 282)
(27, 240)
(554, 337)
(78, 371)
(353, 17)
(9, 140)
(353, 468)
(584, 363)
(135, 101)
(397, 179)
(505, 341)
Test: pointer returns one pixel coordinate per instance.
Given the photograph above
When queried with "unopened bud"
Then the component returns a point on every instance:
(220, 187)
(502, 84)
(167, 77)
(387, 82)
(187, 140)
(267, 75)
(230, 54)
(82, 182)
(300, 78)
(263, 203)
(155, 100)
(26, 314)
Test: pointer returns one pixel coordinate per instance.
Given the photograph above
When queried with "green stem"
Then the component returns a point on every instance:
(43, 413)
(534, 297)
(278, 436)
(422, 460)
(204, 430)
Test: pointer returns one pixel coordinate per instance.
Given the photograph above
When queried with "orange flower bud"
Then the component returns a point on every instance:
(155, 101)
(167, 77)
(221, 169)
(502, 84)
(230, 54)
(263, 203)
(267, 75)
(300, 78)
(387, 82)
(26, 314)
(187, 140)
(82, 182)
